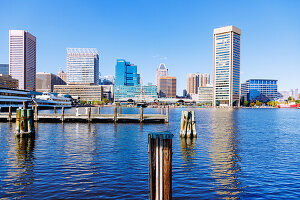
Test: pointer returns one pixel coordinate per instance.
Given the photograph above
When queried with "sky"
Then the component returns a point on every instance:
(178, 33)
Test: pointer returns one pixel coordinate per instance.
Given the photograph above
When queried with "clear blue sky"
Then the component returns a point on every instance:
(146, 33)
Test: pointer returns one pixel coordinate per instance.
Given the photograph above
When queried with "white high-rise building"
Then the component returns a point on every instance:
(226, 66)
(162, 71)
(82, 66)
(22, 58)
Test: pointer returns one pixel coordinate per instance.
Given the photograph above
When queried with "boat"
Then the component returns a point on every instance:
(50, 99)
(13, 98)
(290, 105)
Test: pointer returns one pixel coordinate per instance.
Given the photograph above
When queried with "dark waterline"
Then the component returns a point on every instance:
(238, 154)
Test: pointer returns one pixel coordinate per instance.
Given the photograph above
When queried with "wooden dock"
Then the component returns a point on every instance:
(116, 117)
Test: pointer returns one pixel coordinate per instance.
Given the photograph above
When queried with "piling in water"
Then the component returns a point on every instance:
(187, 125)
(18, 118)
(160, 165)
(24, 122)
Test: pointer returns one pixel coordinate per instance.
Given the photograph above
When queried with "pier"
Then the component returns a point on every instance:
(115, 117)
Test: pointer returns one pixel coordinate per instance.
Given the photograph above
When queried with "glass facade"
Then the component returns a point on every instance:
(126, 92)
(263, 90)
(4, 69)
(82, 66)
(227, 66)
(126, 73)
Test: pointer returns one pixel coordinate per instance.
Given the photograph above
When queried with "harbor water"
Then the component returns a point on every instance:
(238, 154)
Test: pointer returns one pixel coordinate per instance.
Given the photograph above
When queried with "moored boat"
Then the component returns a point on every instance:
(290, 105)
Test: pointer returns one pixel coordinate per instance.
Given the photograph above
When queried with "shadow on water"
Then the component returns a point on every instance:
(224, 153)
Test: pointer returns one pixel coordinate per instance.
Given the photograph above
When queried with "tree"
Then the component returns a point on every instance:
(252, 104)
(291, 99)
(104, 101)
(246, 103)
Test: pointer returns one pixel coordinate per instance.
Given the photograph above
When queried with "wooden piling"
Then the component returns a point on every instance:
(9, 113)
(115, 114)
(167, 114)
(89, 114)
(23, 121)
(120, 110)
(30, 125)
(36, 112)
(161, 110)
(187, 124)
(141, 114)
(62, 113)
(99, 110)
(54, 110)
(18, 118)
(160, 165)
(24, 104)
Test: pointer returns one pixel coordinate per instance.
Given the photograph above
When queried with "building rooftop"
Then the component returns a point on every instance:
(162, 66)
(227, 29)
(82, 51)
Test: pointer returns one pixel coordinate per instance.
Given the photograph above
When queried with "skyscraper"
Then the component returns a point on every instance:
(167, 87)
(226, 66)
(126, 73)
(22, 58)
(196, 80)
(63, 75)
(82, 66)
(162, 71)
(4, 69)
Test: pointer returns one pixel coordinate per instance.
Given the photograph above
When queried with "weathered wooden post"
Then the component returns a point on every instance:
(9, 113)
(160, 165)
(187, 125)
(18, 117)
(36, 111)
(77, 111)
(141, 114)
(89, 114)
(24, 104)
(115, 114)
(120, 110)
(161, 110)
(62, 113)
(30, 125)
(167, 114)
(23, 121)
(99, 111)
(54, 110)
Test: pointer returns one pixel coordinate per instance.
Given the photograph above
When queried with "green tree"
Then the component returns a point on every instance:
(246, 103)
(290, 99)
(104, 101)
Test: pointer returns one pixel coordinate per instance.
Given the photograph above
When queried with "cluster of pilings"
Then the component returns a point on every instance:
(188, 125)
(24, 122)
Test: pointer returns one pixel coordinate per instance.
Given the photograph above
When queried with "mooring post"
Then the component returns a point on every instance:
(77, 111)
(24, 104)
(23, 122)
(167, 114)
(115, 114)
(9, 113)
(89, 114)
(120, 110)
(62, 113)
(30, 125)
(99, 111)
(141, 114)
(18, 117)
(36, 111)
(161, 110)
(54, 110)
(187, 124)
(160, 165)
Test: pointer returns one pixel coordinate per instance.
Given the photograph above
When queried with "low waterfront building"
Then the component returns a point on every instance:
(6, 81)
(205, 95)
(123, 92)
(167, 87)
(4, 69)
(86, 92)
(262, 90)
(45, 81)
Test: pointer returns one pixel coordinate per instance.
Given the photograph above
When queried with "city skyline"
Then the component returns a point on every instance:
(147, 49)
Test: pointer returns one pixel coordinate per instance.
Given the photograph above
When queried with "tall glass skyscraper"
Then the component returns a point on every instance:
(263, 90)
(126, 73)
(226, 66)
(82, 66)
(22, 58)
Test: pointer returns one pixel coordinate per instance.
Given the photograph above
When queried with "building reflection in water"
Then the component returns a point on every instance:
(188, 152)
(224, 154)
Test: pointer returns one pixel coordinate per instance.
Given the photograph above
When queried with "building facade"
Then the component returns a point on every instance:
(263, 90)
(162, 71)
(63, 75)
(226, 81)
(204, 95)
(196, 80)
(86, 92)
(167, 87)
(123, 93)
(4, 69)
(6, 81)
(45, 81)
(82, 66)
(125, 73)
(107, 80)
(22, 58)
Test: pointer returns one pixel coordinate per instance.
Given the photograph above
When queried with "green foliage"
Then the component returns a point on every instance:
(104, 101)
(252, 104)
(291, 99)
(246, 103)
(258, 103)
(297, 101)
